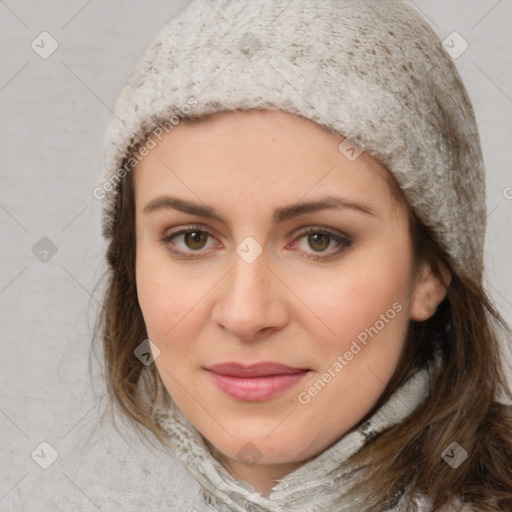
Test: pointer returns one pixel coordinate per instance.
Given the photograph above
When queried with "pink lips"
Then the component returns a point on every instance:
(256, 382)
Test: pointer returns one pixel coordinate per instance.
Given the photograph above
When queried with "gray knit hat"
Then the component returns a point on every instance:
(371, 71)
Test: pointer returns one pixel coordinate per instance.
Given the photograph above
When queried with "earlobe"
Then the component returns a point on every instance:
(429, 292)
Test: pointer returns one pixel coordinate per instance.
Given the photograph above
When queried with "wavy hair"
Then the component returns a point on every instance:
(463, 405)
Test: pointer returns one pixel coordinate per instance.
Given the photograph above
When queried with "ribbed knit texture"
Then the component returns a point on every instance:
(373, 71)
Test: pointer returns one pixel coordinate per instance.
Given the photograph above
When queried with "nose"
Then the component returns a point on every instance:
(251, 300)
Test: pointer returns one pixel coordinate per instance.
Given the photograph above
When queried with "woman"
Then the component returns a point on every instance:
(295, 202)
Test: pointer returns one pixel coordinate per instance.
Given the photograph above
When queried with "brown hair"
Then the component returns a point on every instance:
(462, 406)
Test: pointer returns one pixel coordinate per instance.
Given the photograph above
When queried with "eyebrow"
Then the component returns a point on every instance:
(280, 214)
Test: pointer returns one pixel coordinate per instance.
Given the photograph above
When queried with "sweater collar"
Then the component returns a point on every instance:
(320, 484)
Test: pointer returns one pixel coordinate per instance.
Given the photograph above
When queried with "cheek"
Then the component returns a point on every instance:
(162, 296)
(366, 307)
(356, 297)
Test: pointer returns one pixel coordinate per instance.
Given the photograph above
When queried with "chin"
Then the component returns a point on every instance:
(260, 449)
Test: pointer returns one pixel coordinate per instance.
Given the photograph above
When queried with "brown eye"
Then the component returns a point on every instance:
(195, 239)
(319, 241)
(187, 241)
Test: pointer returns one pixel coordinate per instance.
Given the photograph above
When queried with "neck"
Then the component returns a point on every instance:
(262, 477)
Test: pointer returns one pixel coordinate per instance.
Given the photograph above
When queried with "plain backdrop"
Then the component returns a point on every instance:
(53, 115)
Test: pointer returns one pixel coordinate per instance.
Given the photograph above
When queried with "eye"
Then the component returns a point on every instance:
(194, 238)
(319, 239)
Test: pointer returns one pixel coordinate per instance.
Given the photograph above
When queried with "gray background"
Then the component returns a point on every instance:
(54, 113)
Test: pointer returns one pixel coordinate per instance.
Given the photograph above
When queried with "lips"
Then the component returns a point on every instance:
(254, 370)
(257, 382)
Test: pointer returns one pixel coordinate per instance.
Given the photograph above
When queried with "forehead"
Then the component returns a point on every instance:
(257, 158)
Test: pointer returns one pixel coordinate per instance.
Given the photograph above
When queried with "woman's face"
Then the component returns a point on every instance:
(292, 254)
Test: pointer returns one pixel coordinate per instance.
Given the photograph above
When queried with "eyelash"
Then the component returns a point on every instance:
(344, 241)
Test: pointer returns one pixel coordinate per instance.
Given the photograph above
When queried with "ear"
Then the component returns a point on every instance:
(429, 292)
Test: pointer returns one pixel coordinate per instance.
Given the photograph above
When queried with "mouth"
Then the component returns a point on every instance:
(256, 382)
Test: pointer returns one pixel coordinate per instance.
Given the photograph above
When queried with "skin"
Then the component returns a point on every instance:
(284, 306)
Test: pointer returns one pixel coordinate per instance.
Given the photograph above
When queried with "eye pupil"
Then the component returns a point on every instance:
(317, 238)
(195, 236)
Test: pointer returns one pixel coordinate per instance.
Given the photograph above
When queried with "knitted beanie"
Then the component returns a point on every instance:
(371, 71)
